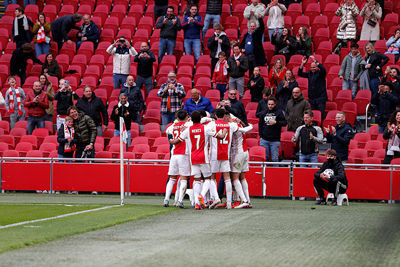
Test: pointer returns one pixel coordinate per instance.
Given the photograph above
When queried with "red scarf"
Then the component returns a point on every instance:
(68, 147)
(11, 102)
(41, 37)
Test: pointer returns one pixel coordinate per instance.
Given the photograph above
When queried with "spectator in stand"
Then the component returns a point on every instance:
(309, 137)
(392, 75)
(41, 30)
(135, 98)
(197, 102)
(285, 44)
(21, 33)
(263, 103)
(277, 74)
(392, 133)
(67, 139)
(36, 102)
(287, 2)
(218, 43)
(393, 45)
(271, 122)
(160, 8)
(94, 107)
(213, 12)
(29, 2)
(256, 85)
(347, 29)
(296, 106)
(48, 88)
(253, 12)
(351, 70)
(85, 131)
(171, 94)
(316, 76)
(375, 62)
(128, 112)
(65, 98)
(50, 66)
(192, 26)
(284, 90)
(145, 59)
(385, 103)
(19, 60)
(88, 32)
(2, 102)
(276, 13)
(372, 13)
(303, 42)
(252, 46)
(340, 136)
(220, 76)
(14, 101)
(235, 106)
(62, 26)
(237, 66)
(169, 25)
(7, 2)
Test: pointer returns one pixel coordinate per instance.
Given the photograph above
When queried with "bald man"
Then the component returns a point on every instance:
(145, 59)
(89, 32)
(36, 103)
(197, 102)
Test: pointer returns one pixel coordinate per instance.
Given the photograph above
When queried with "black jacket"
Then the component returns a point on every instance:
(61, 27)
(19, 60)
(268, 132)
(214, 7)
(135, 97)
(396, 86)
(64, 101)
(85, 130)
(340, 142)
(237, 109)
(94, 109)
(262, 106)
(92, 32)
(309, 146)
(236, 71)
(338, 170)
(376, 59)
(213, 45)
(168, 30)
(145, 65)
(256, 90)
(316, 84)
(259, 54)
(62, 141)
(24, 35)
(385, 105)
(280, 44)
(129, 114)
(283, 94)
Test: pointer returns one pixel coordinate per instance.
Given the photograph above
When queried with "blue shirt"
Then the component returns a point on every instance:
(249, 46)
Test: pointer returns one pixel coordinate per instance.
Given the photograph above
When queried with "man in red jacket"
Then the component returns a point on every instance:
(36, 103)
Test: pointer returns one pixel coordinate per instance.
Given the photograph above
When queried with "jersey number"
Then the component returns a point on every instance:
(197, 137)
(175, 134)
(223, 141)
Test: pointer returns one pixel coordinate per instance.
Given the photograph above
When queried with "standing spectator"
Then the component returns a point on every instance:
(135, 98)
(303, 42)
(7, 2)
(19, 60)
(64, 97)
(393, 45)
(252, 45)
(50, 66)
(309, 137)
(347, 29)
(256, 85)
(385, 103)
(169, 25)
(89, 32)
(253, 12)
(48, 88)
(197, 102)
(271, 122)
(296, 106)
(127, 111)
(213, 12)
(122, 51)
(36, 102)
(218, 43)
(392, 133)
(94, 107)
(14, 101)
(21, 33)
(67, 139)
(41, 30)
(372, 13)
(340, 136)
(145, 59)
(351, 70)
(375, 62)
(263, 103)
(237, 66)
(192, 26)
(29, 2)
(235, 106)
(62, 26)
(317, 95)
(392, 75)
(275, 12)
(277, 74)
(171, 94)
(160, 8)
(220, 76)
(285, 44)
(85, 131)
(285, 88)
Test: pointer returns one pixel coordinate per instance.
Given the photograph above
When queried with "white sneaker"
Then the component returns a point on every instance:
(166, 203)
(228, 206)
(214, 204)
(94, 192)
(243, 205)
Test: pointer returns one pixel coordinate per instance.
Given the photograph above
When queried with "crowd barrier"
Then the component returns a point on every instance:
(284, 179)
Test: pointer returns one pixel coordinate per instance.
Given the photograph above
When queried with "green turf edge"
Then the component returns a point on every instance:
(20, 236)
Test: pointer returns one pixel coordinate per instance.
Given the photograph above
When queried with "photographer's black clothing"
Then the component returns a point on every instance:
(337, 183)
(385, 105)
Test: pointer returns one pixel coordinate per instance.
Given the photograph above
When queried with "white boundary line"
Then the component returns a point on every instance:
(56, 217)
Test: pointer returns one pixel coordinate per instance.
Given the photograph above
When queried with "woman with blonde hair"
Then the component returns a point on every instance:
(277, 74)
(374, 64)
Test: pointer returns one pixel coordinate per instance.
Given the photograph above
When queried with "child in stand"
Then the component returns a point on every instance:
(14, 101)
(66, 138)
(220, 76)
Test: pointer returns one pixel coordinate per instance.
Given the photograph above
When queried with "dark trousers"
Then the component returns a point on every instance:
(213, 63)
(79, 152)
(221, 187)
(335, 188)
(319, 106)
(159, 11)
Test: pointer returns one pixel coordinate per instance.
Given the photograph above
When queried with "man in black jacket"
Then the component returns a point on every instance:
(89, 32)
(393, 77)
(135, 97)
(256, 85)
(20, 31)
(19, 60)
(235, 106)
(127, 112)
(271, 122)
(340, 136)
(62, 26)
(217, 43)
(237, 66)
(331, 177)
(145, 59)
(65, 98)
(385, 103)
(94, 107)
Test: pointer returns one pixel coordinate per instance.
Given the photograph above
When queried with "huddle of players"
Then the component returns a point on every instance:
(202, 148)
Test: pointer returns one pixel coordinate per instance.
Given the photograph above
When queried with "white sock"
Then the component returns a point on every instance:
(239, 190)
(213, 190)
(245, 188)
(182, 189)
(170, 186)
(228, 189)
(235, 196)
(196, 191)
(205, 188)
(207, 197)
(177, 192)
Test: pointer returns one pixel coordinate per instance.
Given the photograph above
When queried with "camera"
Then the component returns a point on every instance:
(121, 41)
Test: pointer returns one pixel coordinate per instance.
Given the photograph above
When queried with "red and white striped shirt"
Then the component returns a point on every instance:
(220, 148)
(175, 130)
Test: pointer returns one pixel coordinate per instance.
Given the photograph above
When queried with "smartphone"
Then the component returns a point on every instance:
(66, 82)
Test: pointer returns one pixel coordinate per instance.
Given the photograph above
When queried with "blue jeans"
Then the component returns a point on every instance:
(116, 133)
(148, 82)
(29, 2)
(349, 84)
(374, 85)
(167, 117)
(42, 49)
(62, 157)
(119, 80)
(312, 158)
(222, 89)
(272, 146)
(271, 32)
(34, 122)
(194, 44)
(207, 20)
(166, 45)
(381, 129)
(6, 3)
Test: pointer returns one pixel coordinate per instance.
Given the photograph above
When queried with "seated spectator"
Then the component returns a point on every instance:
(385, 104)
(276, 13)
(65, 97)
(218, 43)
(14, 101)
(330, 177)
(145, 59)
(20, 31)
(88, 32)
(284, 90)
(50, 66)
(128, 112)
(393, 45)
(67, 139)
(392, 75)
(236, 107)
(197, 102)
(285, 44)
(303, 42)
(277, 74)
(41, 30)
(192, 26)
(351, 70)
(169, 25)
(19, 60)
(135, 98)
(220, 76)
(296, 106)
(253, 12)
(372, 13)
(256, 85)
(375, 62)
(62, 26)
(237, 66)
(347, 29)
(36, 102)
(263, 103)
(48, 88)
(392, 133)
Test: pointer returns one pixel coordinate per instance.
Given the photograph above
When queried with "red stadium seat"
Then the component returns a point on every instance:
(8, 139)
(257, 153)
(342, 97)
(46, 148)
(299, 22)
(5, 125)
(350, 108)
(139, 149)
(330, 10)
(362, 99)
(322, 34)
(362, 139)
(373, 132)
(312, 10)
(10, 154)
(103, 155)
(162, 150)
(294, 10)
(357, 156)
(252, 142)
(372, 146)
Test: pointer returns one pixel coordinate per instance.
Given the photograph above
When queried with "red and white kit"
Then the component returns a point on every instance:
(179, 163)
(239, 153)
